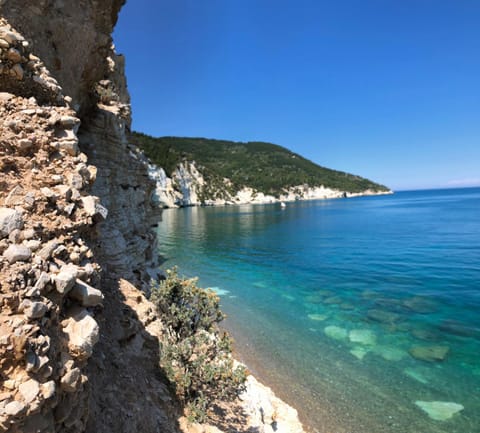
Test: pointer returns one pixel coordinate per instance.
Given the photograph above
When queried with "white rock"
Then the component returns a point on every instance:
(48, 389)
(17, 253)
(10, 219)
(86, 294)
(439, 410)
(362, 336)
(70, 379)
(29, 390)
(82, 331)
(14, 408)
(35, 310)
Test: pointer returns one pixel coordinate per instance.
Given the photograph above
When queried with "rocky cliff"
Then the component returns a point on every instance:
(78, 340)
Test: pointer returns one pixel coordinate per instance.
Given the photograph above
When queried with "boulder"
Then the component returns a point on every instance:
(65, 279)
(14, 408)
(10, 219)
(29, 390)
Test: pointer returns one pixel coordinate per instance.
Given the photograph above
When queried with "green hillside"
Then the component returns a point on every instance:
(264, 166)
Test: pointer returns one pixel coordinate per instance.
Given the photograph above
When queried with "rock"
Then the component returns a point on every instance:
(383, 316)
(426, 334)
(42, 281)
(333, 300)
(419, 304)
(35, 310)
(86, 294)
(82, 331)
(362, 336)
(24, 144)
(14, 408)
(439, 410)
(92, 206)
(318, 317)
(17, 253)
(70, 379)
(14, 55)
(29, 390)
(48, 389)
(65, 279)
(359, 352)
(18, 71)
(46, 252)
(429, 353)
(460, 329)
(10, 219)
(336, 332)
(390, 353)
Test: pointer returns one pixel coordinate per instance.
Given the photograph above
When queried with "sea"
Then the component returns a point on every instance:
(363, 313)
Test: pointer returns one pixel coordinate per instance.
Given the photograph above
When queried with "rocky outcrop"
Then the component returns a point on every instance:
(78, 341)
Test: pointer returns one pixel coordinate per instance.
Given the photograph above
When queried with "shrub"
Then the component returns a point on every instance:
(195, 356)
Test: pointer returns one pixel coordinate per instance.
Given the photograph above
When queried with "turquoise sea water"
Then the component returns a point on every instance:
(352, 309)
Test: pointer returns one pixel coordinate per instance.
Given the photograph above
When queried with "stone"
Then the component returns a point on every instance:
(17, 253)
(42, 281)
(426, 334)
(86, 294)
(65, 279)
(48, 389)
(439, 410)
(457, 328)
(28, 234)
(82, 331)
(70, 379)
(89, 204)
(420, 304)
(383, 316)
(362, 336)
(14, 55)
(18, 71)
(336, 332)
(359, 352)
(29, 390)
(35, 310)
(429, 353)
(390, 353)
(24, 144)
(318, 317)
(10, 219)
(46, 252)
(14, 408)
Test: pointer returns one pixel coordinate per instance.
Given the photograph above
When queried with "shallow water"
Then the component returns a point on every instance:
(402, 272)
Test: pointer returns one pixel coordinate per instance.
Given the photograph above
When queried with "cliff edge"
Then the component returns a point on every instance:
(78, 340)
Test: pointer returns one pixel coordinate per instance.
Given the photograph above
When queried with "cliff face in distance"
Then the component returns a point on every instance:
(79, 342)
(196, 171)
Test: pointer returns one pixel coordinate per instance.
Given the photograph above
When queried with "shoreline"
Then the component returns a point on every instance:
(281, 200)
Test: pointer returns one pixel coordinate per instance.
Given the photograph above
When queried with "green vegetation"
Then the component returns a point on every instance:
(195, 357)
(266, 167)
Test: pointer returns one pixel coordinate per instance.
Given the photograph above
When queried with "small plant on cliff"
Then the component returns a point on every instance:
(196, 357)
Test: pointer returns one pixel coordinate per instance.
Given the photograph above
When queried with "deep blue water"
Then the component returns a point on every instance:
(401, 271)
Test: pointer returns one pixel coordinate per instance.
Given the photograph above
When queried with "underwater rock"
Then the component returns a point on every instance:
(457, 328)
(362, 336)
(429, 353)
(390, 353)
(439, 410)
(426, 334)
(333, 300)
(347, 306)
(383, 316)
(419, 304)
(336, 332)
(318, 317)
(359, 352)
(416, 375)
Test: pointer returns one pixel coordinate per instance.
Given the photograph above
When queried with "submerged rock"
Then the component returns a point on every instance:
(426, 334)
(439, 410)
(419, 304)
(336, 332)
(359, 352)
(390, 353)
(318, 317)
(416, 375)
(429, 353)
(383, 316)
(362, 336)
(457, 328)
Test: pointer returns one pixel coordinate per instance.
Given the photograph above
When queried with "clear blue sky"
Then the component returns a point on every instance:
(387, 89)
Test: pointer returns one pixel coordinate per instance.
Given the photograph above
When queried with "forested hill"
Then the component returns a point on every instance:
(265, 167)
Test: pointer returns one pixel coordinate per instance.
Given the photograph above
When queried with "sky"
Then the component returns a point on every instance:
(386, 89)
